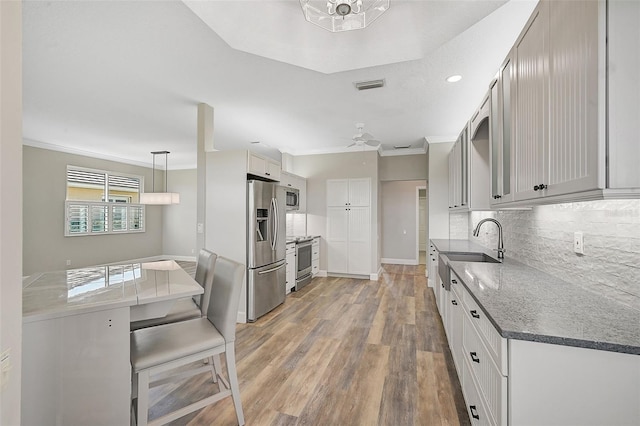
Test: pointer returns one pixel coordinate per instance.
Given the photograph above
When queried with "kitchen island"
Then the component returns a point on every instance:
(531, 348)
(76, 368)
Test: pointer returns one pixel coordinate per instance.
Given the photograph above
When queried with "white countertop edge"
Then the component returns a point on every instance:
(81, 309)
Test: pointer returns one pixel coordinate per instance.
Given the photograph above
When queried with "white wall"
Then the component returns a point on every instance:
(439, 190)
(404, 167)
(399, 232)
(543, 238)
(179, 220)
(11, 207)
(45, 246)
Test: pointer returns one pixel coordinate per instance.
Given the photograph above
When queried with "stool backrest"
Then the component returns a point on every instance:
(205, 270)
(225, 297)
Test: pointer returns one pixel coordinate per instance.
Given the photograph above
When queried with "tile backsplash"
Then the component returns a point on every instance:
(543, 238)
(296, 224)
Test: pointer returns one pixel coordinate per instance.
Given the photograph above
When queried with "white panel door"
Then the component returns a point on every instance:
(532, 105)
(573, 97)
(359, 240)
(359, 192)
(337, 192)
(337, 239)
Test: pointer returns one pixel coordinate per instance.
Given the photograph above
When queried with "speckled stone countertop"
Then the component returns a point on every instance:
(527, 304)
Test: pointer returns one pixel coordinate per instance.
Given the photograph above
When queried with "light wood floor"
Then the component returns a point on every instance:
(339, 352)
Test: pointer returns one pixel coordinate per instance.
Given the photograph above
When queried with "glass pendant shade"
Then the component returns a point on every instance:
(159, 198)
(343, 15)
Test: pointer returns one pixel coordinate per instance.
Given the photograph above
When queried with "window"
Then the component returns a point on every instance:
(102, 202)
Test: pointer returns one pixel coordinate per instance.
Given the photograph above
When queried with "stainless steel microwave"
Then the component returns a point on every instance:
(293, 198)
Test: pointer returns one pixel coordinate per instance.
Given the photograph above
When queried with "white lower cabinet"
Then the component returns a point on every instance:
(519, 382)
(475, 405)
(291, 266)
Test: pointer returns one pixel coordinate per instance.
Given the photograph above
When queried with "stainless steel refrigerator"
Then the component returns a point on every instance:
(266, 247)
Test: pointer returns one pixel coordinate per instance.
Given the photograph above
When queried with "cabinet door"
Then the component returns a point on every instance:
(273, 170)
(573, 97)
(291, 271)
(494, 141)
(532, 89)
(337, 192)
(337, 239)
(359, 192)
(359, 248)
(257, 164)
(501, 133)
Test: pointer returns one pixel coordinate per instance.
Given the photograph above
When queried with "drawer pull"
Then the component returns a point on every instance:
(474, 357)
(453, 302)
(454, 281)
(474, 412)
(442, 284)
(475, 314)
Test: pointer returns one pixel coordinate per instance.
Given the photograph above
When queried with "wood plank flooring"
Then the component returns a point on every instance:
(339, 352)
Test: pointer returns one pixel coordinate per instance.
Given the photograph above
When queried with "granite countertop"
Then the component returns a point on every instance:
(527, 304)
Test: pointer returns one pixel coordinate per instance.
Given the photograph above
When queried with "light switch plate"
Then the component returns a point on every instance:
(578, 242)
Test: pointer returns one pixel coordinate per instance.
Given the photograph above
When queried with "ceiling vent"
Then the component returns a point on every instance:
(401, 146)
(372, 84)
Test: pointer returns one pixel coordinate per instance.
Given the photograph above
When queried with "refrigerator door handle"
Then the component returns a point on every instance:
(272, 207)
(277, 220)
(272, 269)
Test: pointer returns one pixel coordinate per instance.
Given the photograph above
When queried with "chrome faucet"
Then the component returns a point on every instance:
(476, 232)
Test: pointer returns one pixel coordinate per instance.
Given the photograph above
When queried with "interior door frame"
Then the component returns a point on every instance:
(418, 188)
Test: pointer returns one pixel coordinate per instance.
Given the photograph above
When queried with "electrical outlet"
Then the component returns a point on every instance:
(68, 262)
(578, 242)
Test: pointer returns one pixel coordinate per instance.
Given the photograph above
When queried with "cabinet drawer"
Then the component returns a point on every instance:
(496, 344)
(315, 269)
(491, 384)
(475, 407)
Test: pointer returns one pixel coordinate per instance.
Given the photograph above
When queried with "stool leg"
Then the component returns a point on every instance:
(143, 398)
(216, 368)
(233, 380)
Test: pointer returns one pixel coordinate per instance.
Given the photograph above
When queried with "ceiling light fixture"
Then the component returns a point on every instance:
(159, 198)
(454, 78)
(343, 15)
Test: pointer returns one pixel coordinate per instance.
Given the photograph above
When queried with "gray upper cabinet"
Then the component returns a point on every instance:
(500, 133)
(574, 129)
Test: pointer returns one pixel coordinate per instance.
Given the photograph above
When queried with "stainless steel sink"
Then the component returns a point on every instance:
(443, 263)
(470, 257)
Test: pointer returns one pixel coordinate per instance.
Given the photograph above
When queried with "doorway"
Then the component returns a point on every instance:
(421, 224)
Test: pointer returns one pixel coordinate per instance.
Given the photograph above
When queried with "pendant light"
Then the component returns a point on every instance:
(159, 198)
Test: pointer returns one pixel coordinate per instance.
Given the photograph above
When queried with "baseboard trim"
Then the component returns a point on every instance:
(399, 261)
(241, 317)
(376, 276)
(321, 274)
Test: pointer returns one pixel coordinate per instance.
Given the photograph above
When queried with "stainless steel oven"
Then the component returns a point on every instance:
(303, 263)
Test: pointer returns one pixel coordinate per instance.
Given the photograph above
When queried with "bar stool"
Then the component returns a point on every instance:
(165, 347)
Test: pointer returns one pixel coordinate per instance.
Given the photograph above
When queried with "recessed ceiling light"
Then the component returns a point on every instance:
(454, 78)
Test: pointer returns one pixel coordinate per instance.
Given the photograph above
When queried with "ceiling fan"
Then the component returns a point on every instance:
(361, 138)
